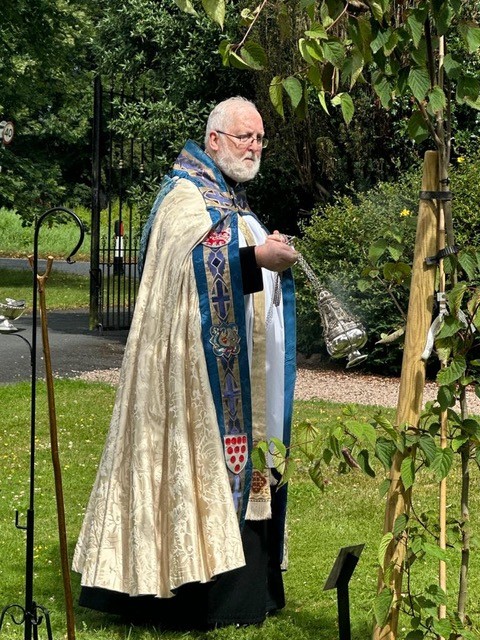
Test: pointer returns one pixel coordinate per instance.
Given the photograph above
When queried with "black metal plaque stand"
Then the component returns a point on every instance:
(32, 614)
(338, 579)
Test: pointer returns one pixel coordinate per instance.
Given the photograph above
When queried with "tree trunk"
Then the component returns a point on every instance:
(412, 383)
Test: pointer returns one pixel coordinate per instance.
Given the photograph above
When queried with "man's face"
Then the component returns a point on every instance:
(238, 161)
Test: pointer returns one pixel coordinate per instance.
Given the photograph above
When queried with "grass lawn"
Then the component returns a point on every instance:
(62, 291)
(348, 512)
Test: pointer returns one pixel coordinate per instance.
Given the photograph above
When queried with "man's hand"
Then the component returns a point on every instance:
(275, 254)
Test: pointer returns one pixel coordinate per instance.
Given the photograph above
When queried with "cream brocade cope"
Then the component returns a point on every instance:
(161, 512)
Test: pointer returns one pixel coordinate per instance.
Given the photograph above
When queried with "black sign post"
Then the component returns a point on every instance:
(338, 579)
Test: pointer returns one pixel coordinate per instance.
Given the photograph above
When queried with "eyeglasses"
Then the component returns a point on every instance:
(245, 139)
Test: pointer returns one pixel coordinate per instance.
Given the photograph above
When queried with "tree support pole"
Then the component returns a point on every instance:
(412, 383)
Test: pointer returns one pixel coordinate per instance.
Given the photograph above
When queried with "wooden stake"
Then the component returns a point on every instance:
(412, 382)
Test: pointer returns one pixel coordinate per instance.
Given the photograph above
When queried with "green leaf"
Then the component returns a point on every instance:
(455, 297)
(417, 127)
(416, 634)
(276, 94)
(428, 446)
(468, 262)
(443, 627)
(445, 398)
(363, 284)
(334, 52)
(346, 104)
(259, 460)
(385, 450)
(380, 40)
(434, 551)
(315, 473)
(186, 6)
(407, 472)
(450, 327)
(363, 461)
(387, 426)
(254, 55)
(400, 524)
(415, 22)
(383, 89)
(377, 9)
(288, 471)
(453, 66)
(377, 249)
(442, 463)
(397, 272)
(215, 10)
(454, 371)
(317, 31)
(321, 97)
(381, 606)
(306, 435)
(470, 33)
(419, 82)
(468, 87)
(294, 90)
(383, 488)
(304, 52)
(436, 99)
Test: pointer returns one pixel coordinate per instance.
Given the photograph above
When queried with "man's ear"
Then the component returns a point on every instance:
(213, 140)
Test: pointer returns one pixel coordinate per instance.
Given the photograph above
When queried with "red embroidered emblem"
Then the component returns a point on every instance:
(258, 481)
(218, 238)
(236, 452)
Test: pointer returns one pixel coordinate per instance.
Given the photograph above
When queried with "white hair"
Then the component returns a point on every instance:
(221, 114)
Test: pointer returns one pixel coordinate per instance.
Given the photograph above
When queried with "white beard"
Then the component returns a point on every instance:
(236, 169)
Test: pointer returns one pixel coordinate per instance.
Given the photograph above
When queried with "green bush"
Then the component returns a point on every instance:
(336, 244)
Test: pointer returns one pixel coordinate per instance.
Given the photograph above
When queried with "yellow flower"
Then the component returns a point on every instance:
(405, 212)
(460, 159)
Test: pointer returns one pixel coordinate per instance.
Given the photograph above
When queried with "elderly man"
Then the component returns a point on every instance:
(180, 529)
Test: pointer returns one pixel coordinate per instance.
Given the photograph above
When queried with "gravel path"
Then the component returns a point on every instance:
(335, 384)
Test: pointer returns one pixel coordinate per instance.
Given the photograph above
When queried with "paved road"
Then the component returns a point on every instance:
(79, 268)
(73, 347)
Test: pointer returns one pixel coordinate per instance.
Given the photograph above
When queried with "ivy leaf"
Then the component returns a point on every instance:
(276, 94)
(442, 463)
(454, 371)
(407, 472)
(381, 606)
(215, 10)
(294, 90)
(419, 82)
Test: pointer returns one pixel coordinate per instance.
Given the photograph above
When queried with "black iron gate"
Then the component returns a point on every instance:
(121, 197)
